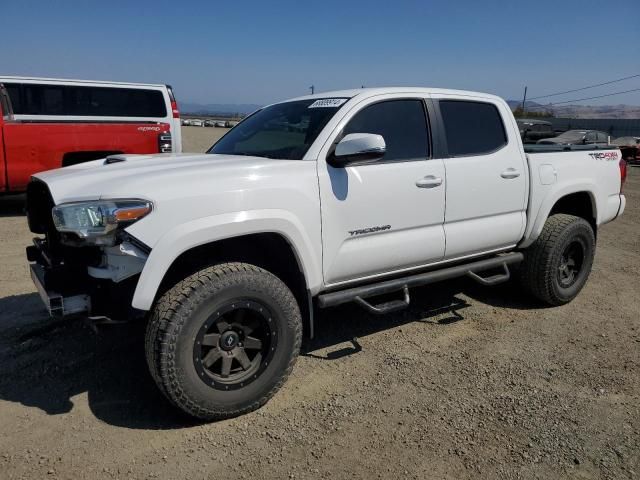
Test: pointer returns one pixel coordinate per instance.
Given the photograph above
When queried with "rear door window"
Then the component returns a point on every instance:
(402, 124)
(472, 128)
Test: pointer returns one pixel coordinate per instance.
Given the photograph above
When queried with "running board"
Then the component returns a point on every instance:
(472, 270)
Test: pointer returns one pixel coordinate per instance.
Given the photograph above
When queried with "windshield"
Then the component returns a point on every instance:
(284, 131)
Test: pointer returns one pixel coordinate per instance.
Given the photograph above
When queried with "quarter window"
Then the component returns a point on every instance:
(402, 124)
(69, 100)
(472, 128)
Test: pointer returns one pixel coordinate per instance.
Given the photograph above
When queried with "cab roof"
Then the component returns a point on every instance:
(8, 78)
(370, 92)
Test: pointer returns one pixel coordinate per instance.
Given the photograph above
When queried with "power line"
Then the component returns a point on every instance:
(585, 88)
(582, 99)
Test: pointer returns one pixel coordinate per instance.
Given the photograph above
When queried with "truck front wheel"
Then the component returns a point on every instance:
(222, 342)
(558, 263)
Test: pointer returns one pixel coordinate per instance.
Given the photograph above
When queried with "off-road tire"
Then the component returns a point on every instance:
(183, 309)
(539, 271)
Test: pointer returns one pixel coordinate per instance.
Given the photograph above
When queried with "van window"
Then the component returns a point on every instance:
(402, 124)
(472, 128)
(68, 100)
(14, 95)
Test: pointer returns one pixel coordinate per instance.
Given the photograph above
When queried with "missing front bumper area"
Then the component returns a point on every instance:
(58, 305)
(95, 283)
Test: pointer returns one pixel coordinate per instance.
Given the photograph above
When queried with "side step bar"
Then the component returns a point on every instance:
(359, 294)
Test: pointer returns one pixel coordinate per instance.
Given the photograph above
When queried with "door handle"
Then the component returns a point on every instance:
(510, 173)
(429, 181)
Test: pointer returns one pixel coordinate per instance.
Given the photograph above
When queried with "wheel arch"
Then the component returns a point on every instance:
(580, 201)
(269, 244)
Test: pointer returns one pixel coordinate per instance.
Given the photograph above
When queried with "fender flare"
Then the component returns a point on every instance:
(535, 229)
(202, 231)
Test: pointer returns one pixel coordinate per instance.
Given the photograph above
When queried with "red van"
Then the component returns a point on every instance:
(49, 123)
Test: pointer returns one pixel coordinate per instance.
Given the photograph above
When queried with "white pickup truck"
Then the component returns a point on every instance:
(311, 203)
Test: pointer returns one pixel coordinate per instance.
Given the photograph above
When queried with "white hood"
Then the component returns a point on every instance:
(185, 188)
(148, 176)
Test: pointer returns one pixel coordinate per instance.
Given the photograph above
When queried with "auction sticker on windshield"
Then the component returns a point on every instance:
(328, 103)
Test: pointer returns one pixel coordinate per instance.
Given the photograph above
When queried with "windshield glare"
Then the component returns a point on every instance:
(284, 131)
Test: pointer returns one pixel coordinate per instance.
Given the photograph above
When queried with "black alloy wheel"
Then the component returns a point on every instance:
(235, 344)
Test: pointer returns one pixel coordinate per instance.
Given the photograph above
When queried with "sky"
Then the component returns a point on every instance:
(259, 52)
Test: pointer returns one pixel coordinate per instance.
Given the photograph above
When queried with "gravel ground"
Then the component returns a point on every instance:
(199, 139)
(470, 382)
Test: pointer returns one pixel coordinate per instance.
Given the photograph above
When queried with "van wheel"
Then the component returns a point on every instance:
(222, 342)
(557, 265)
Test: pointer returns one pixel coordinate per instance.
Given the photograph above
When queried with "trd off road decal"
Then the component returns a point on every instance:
(607, 156)
(362, 231)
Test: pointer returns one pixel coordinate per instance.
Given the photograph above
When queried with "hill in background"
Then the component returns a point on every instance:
(582, 111)
(564, 111)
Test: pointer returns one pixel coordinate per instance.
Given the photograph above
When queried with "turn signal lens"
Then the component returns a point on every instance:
(128, 214)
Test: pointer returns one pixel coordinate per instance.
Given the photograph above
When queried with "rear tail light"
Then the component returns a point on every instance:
(174, 109)
(165, 143)
(623, 173)
(174, 104)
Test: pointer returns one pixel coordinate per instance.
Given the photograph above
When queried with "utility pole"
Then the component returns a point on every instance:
(312, 88)
(524, 99)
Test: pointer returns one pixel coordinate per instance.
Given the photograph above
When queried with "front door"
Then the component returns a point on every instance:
(388, 215)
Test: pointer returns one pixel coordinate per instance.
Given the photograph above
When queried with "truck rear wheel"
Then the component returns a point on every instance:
(222, 342)
(558, 263)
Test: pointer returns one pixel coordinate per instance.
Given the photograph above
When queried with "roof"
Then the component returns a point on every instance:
(69, 80)
(370, 92)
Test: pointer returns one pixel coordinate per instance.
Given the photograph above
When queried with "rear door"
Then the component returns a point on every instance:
(487, 181)
(388, 215)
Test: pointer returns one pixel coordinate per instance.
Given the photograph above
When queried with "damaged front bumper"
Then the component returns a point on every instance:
(96, 282)
(58, 305)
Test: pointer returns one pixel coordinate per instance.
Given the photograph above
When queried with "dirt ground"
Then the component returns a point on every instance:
(199, 139)
(470, 382)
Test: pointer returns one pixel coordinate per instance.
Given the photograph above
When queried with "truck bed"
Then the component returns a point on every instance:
(534, 148)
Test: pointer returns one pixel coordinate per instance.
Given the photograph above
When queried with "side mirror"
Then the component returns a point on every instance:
(358, 147)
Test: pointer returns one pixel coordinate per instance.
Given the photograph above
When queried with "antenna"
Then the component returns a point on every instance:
(524, 100)
(313, 89)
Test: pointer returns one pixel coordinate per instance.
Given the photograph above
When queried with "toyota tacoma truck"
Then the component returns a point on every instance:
(348, 196)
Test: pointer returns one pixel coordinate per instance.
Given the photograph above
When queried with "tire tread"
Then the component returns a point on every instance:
(174, 308)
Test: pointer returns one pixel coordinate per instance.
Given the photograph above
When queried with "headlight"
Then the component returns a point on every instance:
(89, 220)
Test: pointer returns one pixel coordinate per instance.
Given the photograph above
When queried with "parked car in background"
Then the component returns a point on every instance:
(578, 137)
(230, 123)
(532, 130)
(630, 148)
(52, 123)
(209, 123)
(196, 122)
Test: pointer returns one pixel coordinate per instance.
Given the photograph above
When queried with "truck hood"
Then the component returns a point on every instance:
(153, 176)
